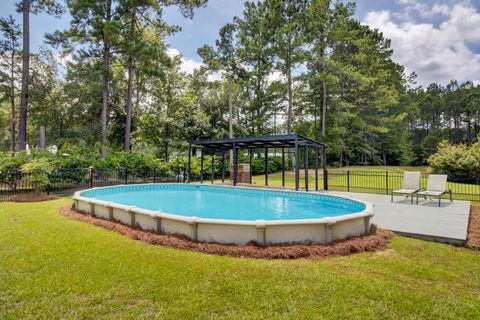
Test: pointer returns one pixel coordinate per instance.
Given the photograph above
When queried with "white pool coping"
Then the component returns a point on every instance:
(235, 231)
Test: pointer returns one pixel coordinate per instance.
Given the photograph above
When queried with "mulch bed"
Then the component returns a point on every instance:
(33, 197)
(473, 234)
(377, 240)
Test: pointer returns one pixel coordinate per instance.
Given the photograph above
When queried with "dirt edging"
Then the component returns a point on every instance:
(473, 233)
(377, 240)
(33, 198)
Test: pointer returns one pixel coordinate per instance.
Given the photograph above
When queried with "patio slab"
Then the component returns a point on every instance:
(448, 223)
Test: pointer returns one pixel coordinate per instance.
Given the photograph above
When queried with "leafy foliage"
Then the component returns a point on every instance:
(456, 160)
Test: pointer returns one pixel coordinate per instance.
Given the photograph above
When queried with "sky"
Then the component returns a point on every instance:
(439, 40)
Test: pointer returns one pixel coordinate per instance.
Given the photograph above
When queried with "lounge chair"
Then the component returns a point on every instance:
(411, 185)
(436, 187)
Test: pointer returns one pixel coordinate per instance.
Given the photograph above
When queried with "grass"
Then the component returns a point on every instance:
(53, 267)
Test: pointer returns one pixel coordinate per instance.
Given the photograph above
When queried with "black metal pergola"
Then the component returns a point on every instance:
(290, 141)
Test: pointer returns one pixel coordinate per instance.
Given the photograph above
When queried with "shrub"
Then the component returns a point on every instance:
(37, 171)
(456, 160)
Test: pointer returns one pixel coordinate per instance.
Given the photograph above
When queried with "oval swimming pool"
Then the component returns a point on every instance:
(229, 214)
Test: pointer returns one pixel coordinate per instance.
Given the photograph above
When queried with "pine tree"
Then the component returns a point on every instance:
(27, 7)
(9, 49)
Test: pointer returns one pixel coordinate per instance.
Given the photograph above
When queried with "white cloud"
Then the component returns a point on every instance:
(189, 65)
(436, 53)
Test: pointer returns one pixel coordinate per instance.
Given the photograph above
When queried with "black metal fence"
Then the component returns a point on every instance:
(14, 182)
(385, 182)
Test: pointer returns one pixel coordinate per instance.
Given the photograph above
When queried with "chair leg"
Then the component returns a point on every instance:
(411, 199)
(392, 197)
(439, 199)
(417, 199)
(451, 200)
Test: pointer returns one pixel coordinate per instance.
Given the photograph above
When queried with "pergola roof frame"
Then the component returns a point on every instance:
(280, 141)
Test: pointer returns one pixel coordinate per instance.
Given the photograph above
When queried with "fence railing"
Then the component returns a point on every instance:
(14, 182)
(385, 182)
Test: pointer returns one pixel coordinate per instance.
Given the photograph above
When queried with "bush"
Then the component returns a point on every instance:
(37, 171)
(456, 160)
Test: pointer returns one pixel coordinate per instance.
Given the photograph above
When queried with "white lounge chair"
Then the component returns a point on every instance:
(436, 187)
(411, 185)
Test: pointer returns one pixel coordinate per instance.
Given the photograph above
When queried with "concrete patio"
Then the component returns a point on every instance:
(426, 220)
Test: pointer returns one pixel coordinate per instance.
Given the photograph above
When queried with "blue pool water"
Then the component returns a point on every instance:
(227, 203)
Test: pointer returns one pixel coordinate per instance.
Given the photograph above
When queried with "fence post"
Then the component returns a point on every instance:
(386, 181)
(154, 175)
(348, 180)
(91, 177)
(126, 175)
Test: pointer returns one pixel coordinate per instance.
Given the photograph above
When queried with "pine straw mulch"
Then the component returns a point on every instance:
(473, 234)
(377, 240)
(33, 197)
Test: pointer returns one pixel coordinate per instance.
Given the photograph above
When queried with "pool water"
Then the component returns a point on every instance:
(216, 202)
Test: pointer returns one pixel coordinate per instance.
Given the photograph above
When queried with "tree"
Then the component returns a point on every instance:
(143, 45)
(27, 7)
(9, 49)
(225, 58)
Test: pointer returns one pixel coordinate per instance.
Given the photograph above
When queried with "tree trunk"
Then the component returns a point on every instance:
(324, 108)
(12, 100)
(128, 123)
(290, 99)
(22, 125)
(384, 154)
(41, 138)
(105, 80)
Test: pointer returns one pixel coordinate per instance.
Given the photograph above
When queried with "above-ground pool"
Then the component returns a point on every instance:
(229, 214)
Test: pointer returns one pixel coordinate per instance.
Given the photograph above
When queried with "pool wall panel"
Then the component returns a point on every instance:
(101, 211)
(295, 233)
(223, 233)
(146, 222)
(348, 228)
(121, 215)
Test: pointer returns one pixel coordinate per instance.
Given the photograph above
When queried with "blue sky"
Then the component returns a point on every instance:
(440, 40)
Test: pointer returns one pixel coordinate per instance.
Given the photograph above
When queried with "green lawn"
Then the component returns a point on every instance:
(52, 267)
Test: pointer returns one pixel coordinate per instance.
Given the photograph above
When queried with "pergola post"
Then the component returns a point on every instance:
(306, 168)
(213, 165)
(324, 164)
(251, 162)
(201, 165)
(266, 166)
(297, 169)
(316, 168)
(235, 167)
(189, 161)
(283, 167)
(223, 166)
